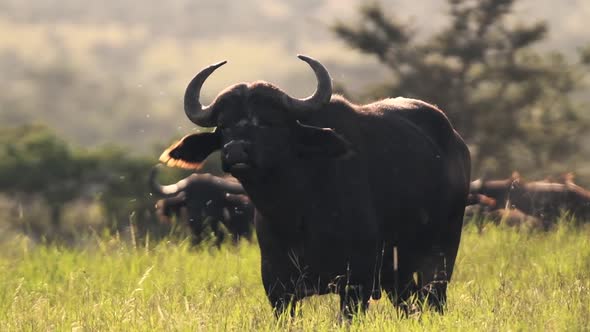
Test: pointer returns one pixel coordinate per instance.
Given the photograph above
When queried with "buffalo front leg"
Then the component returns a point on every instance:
(280, 287)
(197, 229)
(282, 303)
(217, 232)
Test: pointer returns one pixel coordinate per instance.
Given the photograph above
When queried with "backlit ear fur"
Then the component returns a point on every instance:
(191, 150)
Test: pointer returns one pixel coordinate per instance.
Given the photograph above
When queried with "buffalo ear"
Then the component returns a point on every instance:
(191, 150)
(315, 142)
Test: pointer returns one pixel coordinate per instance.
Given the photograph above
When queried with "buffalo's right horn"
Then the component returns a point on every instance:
(320, 97)
(197, 113)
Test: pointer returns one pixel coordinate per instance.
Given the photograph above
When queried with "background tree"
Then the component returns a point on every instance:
(124, 192)
(511, 103)
(36, 164)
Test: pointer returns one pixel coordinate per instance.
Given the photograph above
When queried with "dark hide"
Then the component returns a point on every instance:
(207, 200)
(338, 188)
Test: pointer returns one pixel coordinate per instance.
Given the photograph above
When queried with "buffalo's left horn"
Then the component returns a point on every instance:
(197, 113)
(320, 97)
(164, 190)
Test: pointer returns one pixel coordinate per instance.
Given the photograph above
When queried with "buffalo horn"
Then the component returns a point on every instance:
(320, 97)
(197, 113)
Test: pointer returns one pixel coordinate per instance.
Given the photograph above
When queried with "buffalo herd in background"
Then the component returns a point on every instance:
(208, 204)
(219, 206)
(535, 204)
(349, 199)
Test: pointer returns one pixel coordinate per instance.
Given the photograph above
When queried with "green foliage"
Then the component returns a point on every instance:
(125, 192)
(512, 103)
(35, 151)
(504, 281)
(33, 161)
(35, 165)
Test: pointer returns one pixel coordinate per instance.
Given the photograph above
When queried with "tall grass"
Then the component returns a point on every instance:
(504, 280)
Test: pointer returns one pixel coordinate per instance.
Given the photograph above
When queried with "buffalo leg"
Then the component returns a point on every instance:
(432, 280)
(280, 283)
(217, 232)
(451, 237)
(408, 278)
(354, 299)
(197, 228)
(281, 303)
(282, 270)
(400, 284)
(396, 273)
(436, 267)
(281, 298)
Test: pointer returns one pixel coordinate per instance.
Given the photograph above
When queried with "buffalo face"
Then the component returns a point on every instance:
(257, 127)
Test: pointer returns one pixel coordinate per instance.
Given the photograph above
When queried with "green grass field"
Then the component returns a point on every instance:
(505, 280)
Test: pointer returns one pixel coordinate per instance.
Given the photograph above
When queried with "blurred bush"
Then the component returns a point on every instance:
(50, 189)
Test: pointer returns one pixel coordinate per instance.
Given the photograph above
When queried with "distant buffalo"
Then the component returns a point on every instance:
(478, 206)
(209, 201)
(541, 199)
(483, 200)
(350, 199)
(516, 218)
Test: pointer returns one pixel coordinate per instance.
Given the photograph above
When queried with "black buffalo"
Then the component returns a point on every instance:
(350, 198)
(209, 201)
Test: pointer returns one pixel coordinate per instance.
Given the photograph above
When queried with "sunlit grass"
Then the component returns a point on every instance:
(505, 279)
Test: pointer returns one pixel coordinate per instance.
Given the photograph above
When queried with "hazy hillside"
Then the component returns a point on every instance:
(115, 70)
